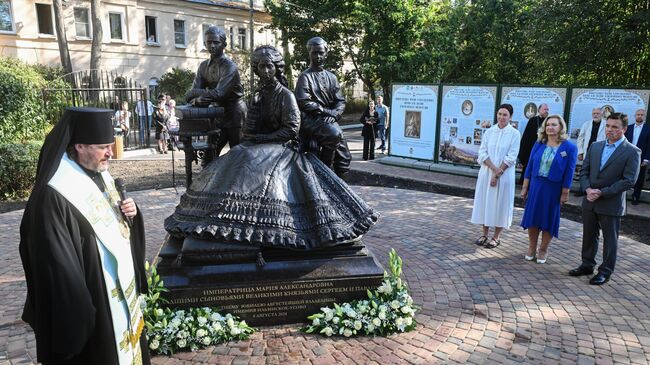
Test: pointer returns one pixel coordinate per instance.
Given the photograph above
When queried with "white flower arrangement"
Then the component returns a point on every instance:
(388, 309)
(172, 330)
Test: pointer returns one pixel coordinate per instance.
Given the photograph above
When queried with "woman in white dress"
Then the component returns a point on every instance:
(494, 196)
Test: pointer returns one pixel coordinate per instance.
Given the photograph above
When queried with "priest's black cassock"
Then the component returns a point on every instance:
(67, 303)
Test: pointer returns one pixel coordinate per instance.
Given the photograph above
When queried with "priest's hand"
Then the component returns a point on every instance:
(129, 208)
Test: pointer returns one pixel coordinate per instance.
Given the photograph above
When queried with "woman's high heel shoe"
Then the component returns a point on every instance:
(529, 258)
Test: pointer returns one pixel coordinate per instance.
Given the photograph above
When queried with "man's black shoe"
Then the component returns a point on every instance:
(599, 279)
(635, 201)
(582, 270)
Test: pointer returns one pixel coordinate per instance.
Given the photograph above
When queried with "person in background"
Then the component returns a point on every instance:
(144, 111)
(122, 119)
(591, 131)
(383, 123)
(116, 105)
(494, 196)
(529, 137)
(609, 169)
(160, 118)
(639, 135)
(369, 120)
(168, 102)
(547, 181)
(173, 125)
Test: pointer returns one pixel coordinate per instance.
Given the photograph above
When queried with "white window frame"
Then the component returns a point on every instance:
(204, 27)
(90, 24)
(184, 44)
(232, 37)
(11, 17)
(152, 88)
(239, 36)
(122, 26)
(38, 24)
(146, 31)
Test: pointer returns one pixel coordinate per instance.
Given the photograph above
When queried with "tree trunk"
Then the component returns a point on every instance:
(288, 70)
(96, 46)
(61, 37)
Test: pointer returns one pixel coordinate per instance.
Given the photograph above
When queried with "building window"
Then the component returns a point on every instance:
(241, 38)
(151, 29)
(82, 22)
(119, 82)
(153, 88)
(179, 32)
(115, 22)
(6, 19)
(44, 17)
(203, 29)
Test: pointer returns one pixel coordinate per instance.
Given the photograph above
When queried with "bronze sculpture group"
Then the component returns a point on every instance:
(278, 188)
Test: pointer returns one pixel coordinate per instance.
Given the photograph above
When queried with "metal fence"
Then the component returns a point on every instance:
(109, 90)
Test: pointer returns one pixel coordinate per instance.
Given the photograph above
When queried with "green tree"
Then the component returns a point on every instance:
(594, 42)
(176, 82)
(489, 41)
(581, 42)
(382, 39)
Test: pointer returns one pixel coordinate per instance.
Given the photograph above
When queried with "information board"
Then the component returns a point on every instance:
(583, 101)
(466, 112)
(413, 121)
(525, 101)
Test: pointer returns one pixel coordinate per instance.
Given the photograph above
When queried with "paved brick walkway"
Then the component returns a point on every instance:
(477, 305)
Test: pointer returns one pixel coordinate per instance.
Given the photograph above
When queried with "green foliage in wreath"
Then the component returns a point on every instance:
(388, 309)
(173, 330)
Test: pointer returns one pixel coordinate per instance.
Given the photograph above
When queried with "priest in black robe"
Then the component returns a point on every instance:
(66, 252)
(529, 137)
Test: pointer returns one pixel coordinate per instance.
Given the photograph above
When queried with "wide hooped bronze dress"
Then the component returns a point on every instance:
(265, 192)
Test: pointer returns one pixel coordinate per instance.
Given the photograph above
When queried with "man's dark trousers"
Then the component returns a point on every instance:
(593, 223)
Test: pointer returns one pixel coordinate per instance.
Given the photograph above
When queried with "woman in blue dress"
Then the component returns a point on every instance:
(547, 181)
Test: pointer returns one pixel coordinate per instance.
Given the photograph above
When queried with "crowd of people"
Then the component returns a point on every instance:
(162, 117)
(611, 153)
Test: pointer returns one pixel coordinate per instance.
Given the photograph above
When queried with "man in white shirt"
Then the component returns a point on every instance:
(591, 131)
(639, 135)
(384, 117)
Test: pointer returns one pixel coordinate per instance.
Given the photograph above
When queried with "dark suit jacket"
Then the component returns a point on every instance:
(644, 139)
(617, 176)
(562, 167)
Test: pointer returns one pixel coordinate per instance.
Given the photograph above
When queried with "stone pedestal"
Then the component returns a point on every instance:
(289, 287)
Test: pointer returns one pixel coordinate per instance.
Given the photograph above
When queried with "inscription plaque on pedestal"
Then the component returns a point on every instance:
(285, 290)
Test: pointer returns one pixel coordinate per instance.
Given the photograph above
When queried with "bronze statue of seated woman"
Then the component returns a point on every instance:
(264, 193)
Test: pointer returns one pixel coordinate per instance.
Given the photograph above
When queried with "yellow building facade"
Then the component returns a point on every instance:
(142, 39)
